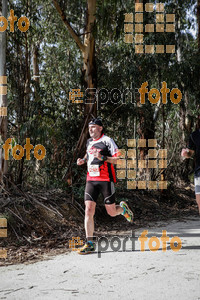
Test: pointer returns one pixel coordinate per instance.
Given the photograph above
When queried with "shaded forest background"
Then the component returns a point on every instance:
(80, 44)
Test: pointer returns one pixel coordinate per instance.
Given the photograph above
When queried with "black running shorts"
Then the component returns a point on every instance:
(106, 188)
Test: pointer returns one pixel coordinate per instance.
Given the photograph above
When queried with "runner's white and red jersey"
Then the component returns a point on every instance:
(99, 170)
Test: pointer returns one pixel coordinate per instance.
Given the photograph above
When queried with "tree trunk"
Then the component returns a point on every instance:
(24, 105)
(88, 53)
(146, 124)
(35, 64)
(3, 98)
(89, 69)
(36, 78)
(185, 122)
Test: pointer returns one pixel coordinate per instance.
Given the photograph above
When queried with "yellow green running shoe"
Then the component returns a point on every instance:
(87, 248)
(127, 213)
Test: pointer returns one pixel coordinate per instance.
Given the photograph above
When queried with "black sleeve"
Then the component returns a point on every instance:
(191, 144)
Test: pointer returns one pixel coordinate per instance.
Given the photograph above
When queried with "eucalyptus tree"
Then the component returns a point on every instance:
(3, 98)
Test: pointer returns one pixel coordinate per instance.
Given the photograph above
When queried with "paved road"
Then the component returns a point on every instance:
(115, 275)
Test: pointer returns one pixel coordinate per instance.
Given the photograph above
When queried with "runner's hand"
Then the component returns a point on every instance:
(80, 161)
(184, 152)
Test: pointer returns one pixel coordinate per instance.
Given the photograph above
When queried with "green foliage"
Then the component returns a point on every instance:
(46, 115)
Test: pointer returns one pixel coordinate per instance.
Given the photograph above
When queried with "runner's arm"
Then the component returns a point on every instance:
(112, 160)
(109, 159)
(191, 148)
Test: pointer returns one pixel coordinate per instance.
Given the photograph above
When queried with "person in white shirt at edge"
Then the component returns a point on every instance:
(101, 154)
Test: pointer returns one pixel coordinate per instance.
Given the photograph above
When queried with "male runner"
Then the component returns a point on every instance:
(101, 154)
(194, 148)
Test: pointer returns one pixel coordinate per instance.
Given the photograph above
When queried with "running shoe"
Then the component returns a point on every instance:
(128, 214)
(87, 248)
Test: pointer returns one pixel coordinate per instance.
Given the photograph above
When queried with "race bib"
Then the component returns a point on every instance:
(94, 170)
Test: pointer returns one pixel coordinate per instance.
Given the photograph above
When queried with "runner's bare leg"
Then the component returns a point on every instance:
(198, 201)
(113, 209)
(89, 218)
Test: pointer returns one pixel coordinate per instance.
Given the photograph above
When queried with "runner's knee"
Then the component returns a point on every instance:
(89, 211)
